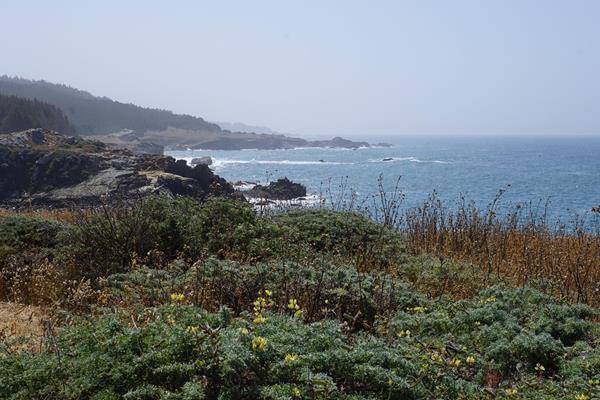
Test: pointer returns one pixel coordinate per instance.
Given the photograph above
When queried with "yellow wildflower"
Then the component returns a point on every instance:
(244, 331)
(539, 367)
(298, 313)
(390, 382)
(259, 343)
(455, 362)
(405, 333)
(259, 319)
(268, 293)
(290, 358)
(191, 329)
(510, 391)
(490, 299)
(293, 304)
(418, 309)
(296, 392)
(470, 360)
(177, 297)
(582, 396)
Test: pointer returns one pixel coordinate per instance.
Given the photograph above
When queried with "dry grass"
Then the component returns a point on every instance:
(62, 215)
(561, 260)
(18, 321)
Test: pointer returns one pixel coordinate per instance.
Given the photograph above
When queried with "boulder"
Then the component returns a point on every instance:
(201, 161)
(281, 189)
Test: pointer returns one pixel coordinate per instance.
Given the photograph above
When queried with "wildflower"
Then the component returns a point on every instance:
(191, 329)
(455, 362)
(539, 368)
(405, 333)
(259, 319)
(390, 382)
(510, 391)
(582, 396)
(296, 392)
(490, 299)
(477, 323)
(298, 313)
(177, 297)
(290, 358)
(259, 343)
(244, 331)
(417, 310)
(594, 382)
(470, 360)
(268, 293)
(293, 304)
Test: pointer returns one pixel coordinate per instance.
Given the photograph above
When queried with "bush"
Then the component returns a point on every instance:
(21, 233)
(231, 228)
(345, 234)
(107, 240)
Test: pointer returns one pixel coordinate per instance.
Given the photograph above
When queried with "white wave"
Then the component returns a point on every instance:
(219, 162)
(306, 201)
(409, 159)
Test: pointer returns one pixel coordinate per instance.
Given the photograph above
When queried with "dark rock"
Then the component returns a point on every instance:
(43, 168)
(201, 160)
(282, 189)
(387, 159)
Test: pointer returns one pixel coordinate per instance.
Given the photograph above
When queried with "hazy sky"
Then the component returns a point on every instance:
(325, 67)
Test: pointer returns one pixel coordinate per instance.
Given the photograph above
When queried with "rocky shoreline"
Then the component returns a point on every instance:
(42, 168)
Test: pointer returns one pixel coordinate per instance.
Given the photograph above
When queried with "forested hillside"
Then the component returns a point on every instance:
(98, 115)
(18, 114)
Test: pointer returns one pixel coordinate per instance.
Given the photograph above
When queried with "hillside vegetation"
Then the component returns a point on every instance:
(170, 299)
(18, 114)
(97, 115)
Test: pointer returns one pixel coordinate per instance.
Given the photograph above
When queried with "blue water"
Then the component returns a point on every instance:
(565, 171)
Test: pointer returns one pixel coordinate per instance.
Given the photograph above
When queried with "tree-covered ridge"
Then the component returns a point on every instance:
(18, 114)
(97, 115)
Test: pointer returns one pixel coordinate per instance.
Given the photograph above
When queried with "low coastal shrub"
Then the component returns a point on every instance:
(345, 234)
(322, 290)
(430, 350)
(22, 232)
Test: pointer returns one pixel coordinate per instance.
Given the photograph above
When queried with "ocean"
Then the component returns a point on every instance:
(562, 172)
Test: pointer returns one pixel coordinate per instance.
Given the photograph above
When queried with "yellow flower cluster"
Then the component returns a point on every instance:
(582, 396)
(455, 362)
(405, 333)
(539, 367)
(293, 305)
(177, 297)
(510, 391)
(290, 358)
(470, 360)
(192, 330)
(260, 305)
(417, 310)
(296, 392)
(259, 343)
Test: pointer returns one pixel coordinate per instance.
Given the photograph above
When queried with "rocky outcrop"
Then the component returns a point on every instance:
(43, 168)
(281, 189)
(201, 160)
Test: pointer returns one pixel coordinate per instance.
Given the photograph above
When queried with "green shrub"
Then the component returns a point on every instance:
(180, 352)
(106, 240)
(231, 228)
(21, 232)
(344, 234)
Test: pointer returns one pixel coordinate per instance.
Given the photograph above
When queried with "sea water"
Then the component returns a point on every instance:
(563, 172)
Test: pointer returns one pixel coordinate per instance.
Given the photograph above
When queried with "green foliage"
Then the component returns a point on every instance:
(343, 233)
(230, 227)
(509, 329)
(21, 232)
(110, 238)
(19, 114)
